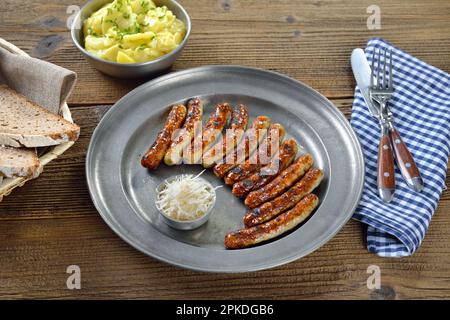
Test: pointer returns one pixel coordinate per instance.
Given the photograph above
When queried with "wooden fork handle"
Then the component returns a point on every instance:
(405, 161)
(386, 173)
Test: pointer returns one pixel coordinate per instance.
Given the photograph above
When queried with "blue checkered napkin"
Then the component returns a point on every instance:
(421, 109)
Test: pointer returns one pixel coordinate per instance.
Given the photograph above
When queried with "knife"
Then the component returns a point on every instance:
(386, 171)
(361, 70)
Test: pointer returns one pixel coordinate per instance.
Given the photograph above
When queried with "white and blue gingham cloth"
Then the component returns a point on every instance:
(421, 109)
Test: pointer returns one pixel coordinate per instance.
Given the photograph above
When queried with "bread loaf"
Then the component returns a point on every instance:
(19, 162)
(25, 124)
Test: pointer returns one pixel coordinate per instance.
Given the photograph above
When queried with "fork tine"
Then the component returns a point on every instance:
(378, 68)
(391, 85)
(372, 71)
(384, 70)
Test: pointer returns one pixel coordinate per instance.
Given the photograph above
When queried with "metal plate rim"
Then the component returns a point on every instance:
(211, 68)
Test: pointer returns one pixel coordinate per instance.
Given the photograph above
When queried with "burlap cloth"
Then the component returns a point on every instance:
(43, 83)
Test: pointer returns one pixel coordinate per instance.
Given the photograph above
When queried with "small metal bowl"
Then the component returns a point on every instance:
(133, 70)
(188, 224)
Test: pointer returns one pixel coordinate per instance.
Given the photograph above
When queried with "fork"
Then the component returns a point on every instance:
(381, 90)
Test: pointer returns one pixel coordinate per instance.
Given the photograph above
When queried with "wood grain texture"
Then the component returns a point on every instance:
(405, 160)
(51, 223)
(309, 40)
(386, 168)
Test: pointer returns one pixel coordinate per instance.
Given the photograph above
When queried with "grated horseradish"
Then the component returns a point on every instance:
(185, 197)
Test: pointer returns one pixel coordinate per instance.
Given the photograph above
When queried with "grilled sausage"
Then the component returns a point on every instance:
(286, 201)
(187, 132)
(281, 183)
(209, 134)
(273, 228)
(287, 153)
(152, 158)
(256, 161)
(244, 148)
(234, 134)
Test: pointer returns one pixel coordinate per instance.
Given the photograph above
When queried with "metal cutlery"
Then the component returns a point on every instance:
(365, 81)
(381, 91)
(377, 88)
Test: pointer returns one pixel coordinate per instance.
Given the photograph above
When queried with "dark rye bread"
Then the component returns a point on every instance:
(19, 162)
(26, 124)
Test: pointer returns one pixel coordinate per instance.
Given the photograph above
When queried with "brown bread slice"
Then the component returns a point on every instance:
(25, 124)
(19, 162)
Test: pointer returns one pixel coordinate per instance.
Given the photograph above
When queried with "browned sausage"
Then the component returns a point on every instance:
(152, 158)
(287, 200)
(211, 131)
(287, 153)
(244, 148)
(233, 135)
(188, 131)
(256, 161)
(281, 183)
(273, 228)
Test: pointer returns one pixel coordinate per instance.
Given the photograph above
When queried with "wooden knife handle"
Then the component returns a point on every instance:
(405, 161)
(386, 171)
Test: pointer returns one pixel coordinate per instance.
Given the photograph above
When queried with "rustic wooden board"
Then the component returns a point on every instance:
(50, 223)
(308, 40)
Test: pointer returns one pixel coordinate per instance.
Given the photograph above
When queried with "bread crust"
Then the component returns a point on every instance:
(19, 162)
(27, 133)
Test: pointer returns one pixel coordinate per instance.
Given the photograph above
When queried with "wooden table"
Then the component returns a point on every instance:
(51, 223)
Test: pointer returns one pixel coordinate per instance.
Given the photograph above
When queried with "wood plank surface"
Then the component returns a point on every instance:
(51, 223)
(308, 40)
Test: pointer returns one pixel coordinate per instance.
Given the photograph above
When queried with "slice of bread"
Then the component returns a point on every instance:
(19, 162)
(25, 124)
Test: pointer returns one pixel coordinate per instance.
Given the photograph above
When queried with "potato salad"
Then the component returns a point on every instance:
(132, 31)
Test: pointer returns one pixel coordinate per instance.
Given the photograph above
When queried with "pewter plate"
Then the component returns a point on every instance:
(124, 192)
